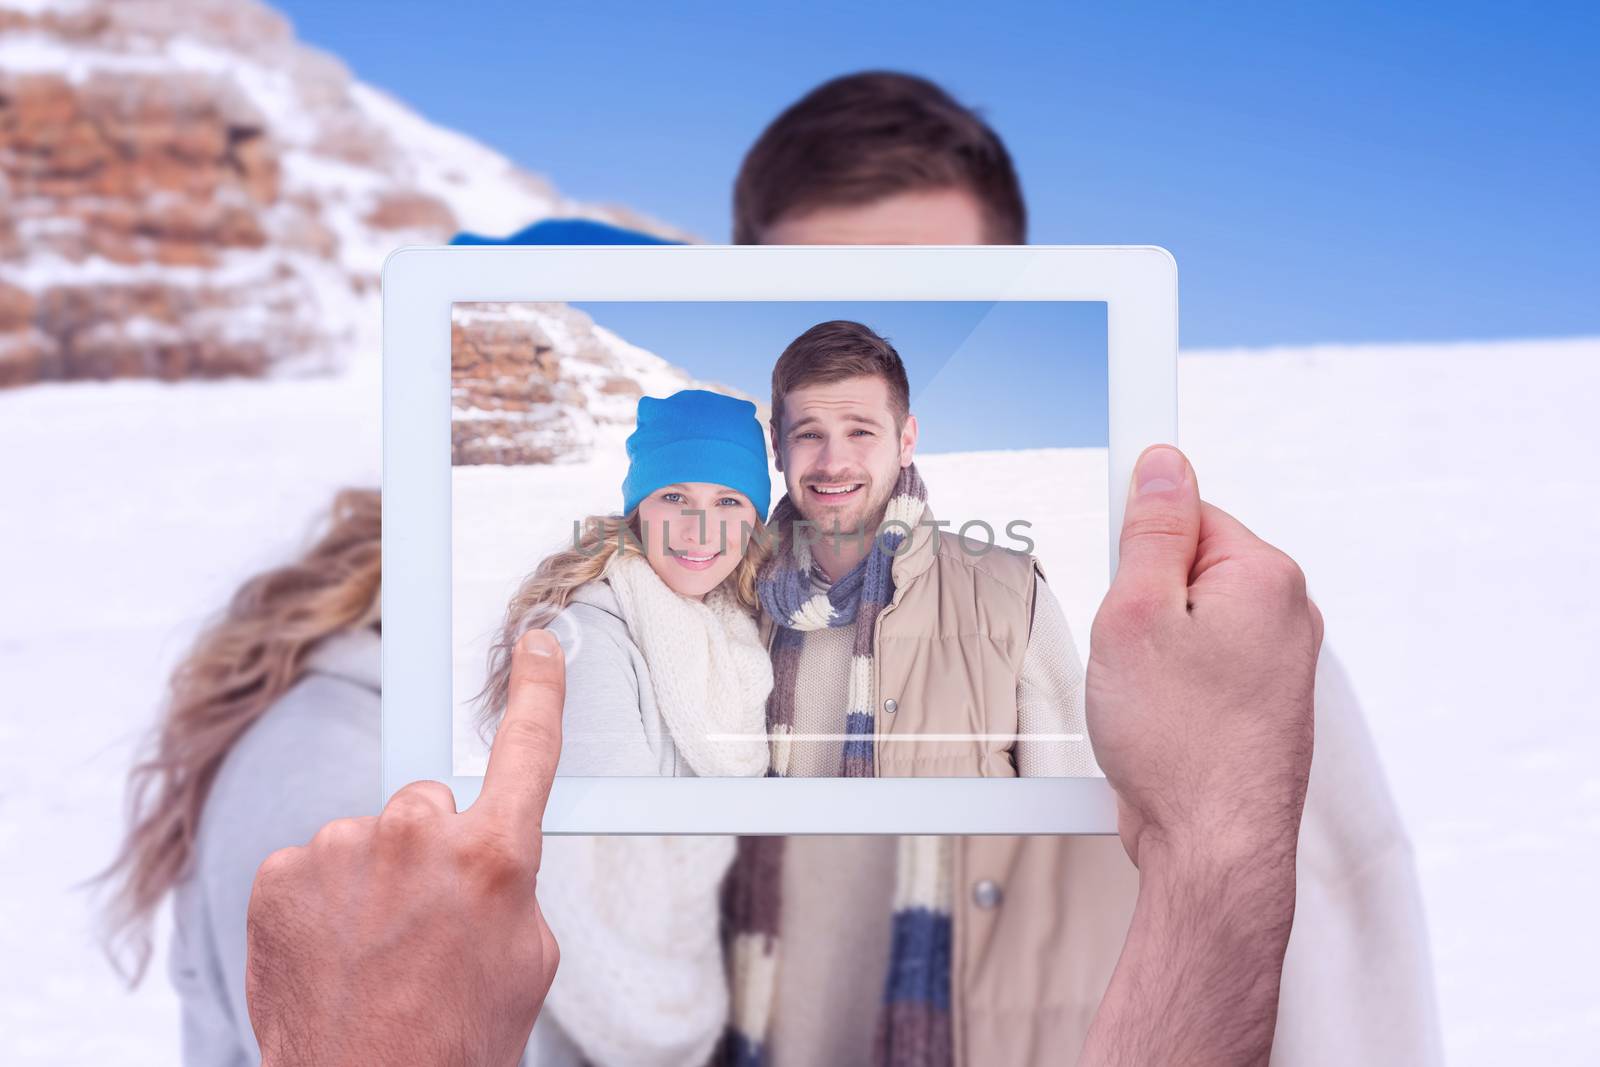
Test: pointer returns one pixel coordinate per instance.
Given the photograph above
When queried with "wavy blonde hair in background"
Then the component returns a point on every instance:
(546, 592)
(239, 665)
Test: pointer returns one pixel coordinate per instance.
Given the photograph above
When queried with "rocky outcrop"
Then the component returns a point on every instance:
(537, 383)
(186, 191)
(511, 401)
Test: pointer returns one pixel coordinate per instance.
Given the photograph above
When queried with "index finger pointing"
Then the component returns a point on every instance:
(527, 745)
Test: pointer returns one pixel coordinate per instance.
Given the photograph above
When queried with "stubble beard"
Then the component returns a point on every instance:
(852, 522)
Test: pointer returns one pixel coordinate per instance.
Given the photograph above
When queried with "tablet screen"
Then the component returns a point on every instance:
(874, 578)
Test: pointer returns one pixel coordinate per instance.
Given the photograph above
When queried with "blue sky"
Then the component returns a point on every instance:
(983, 375)
(1337, 172)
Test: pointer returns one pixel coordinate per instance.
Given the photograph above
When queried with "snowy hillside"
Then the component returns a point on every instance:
(535, 383)
(189, 191)
(1440, 498)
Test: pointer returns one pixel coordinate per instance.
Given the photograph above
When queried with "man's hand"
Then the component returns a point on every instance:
(1199, 702)
(1200, 675)
(414, 936)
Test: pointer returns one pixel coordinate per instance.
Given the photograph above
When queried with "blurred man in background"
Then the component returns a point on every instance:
(285, 688)
(886, 158)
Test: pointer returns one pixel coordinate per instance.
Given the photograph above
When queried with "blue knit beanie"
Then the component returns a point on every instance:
(697, 436)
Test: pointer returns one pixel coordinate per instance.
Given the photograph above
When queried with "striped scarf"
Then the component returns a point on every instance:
(914, 1021)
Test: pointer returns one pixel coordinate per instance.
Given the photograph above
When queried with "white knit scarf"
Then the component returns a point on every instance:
(709, 671)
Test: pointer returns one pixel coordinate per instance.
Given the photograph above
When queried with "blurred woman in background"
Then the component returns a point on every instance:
(656, 609)
(272, 730)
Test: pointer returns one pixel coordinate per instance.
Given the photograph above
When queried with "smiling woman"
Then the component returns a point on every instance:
(656, 608)
(695, 533)
(696, 530)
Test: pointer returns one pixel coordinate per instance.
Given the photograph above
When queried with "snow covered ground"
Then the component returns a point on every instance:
(1442, 498)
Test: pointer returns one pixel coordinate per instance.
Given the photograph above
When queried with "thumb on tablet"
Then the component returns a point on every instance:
(527, 745)
(1160, 531)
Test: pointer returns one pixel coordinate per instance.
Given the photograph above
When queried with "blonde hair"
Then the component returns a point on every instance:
(546, 592)
(239, 665)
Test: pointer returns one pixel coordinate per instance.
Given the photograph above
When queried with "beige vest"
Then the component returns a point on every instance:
(947, 655)
(948, 651)
(1028, 972)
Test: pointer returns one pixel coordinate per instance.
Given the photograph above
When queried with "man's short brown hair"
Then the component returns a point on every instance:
(834, 352)
(867, 136)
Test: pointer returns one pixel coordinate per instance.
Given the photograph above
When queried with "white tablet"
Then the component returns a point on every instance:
(512, 379)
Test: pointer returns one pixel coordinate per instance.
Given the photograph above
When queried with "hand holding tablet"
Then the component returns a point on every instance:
(1200, 700)
(1200, 686)
(1200, 705)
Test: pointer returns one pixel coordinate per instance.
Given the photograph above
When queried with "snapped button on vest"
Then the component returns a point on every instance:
(986, 894)
(891, 705)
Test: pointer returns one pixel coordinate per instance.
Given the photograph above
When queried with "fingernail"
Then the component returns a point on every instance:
(1160, 470)
(539, 643)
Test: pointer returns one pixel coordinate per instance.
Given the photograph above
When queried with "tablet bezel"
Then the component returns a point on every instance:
(1139, 287)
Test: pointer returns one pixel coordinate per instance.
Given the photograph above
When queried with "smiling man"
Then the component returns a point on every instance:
(897, 650)
(838, 594)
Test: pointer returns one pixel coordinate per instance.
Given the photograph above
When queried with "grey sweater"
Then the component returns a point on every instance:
(312, 758)
(610, 724)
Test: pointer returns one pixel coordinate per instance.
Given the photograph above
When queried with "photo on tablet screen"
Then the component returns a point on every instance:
(892, 574)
